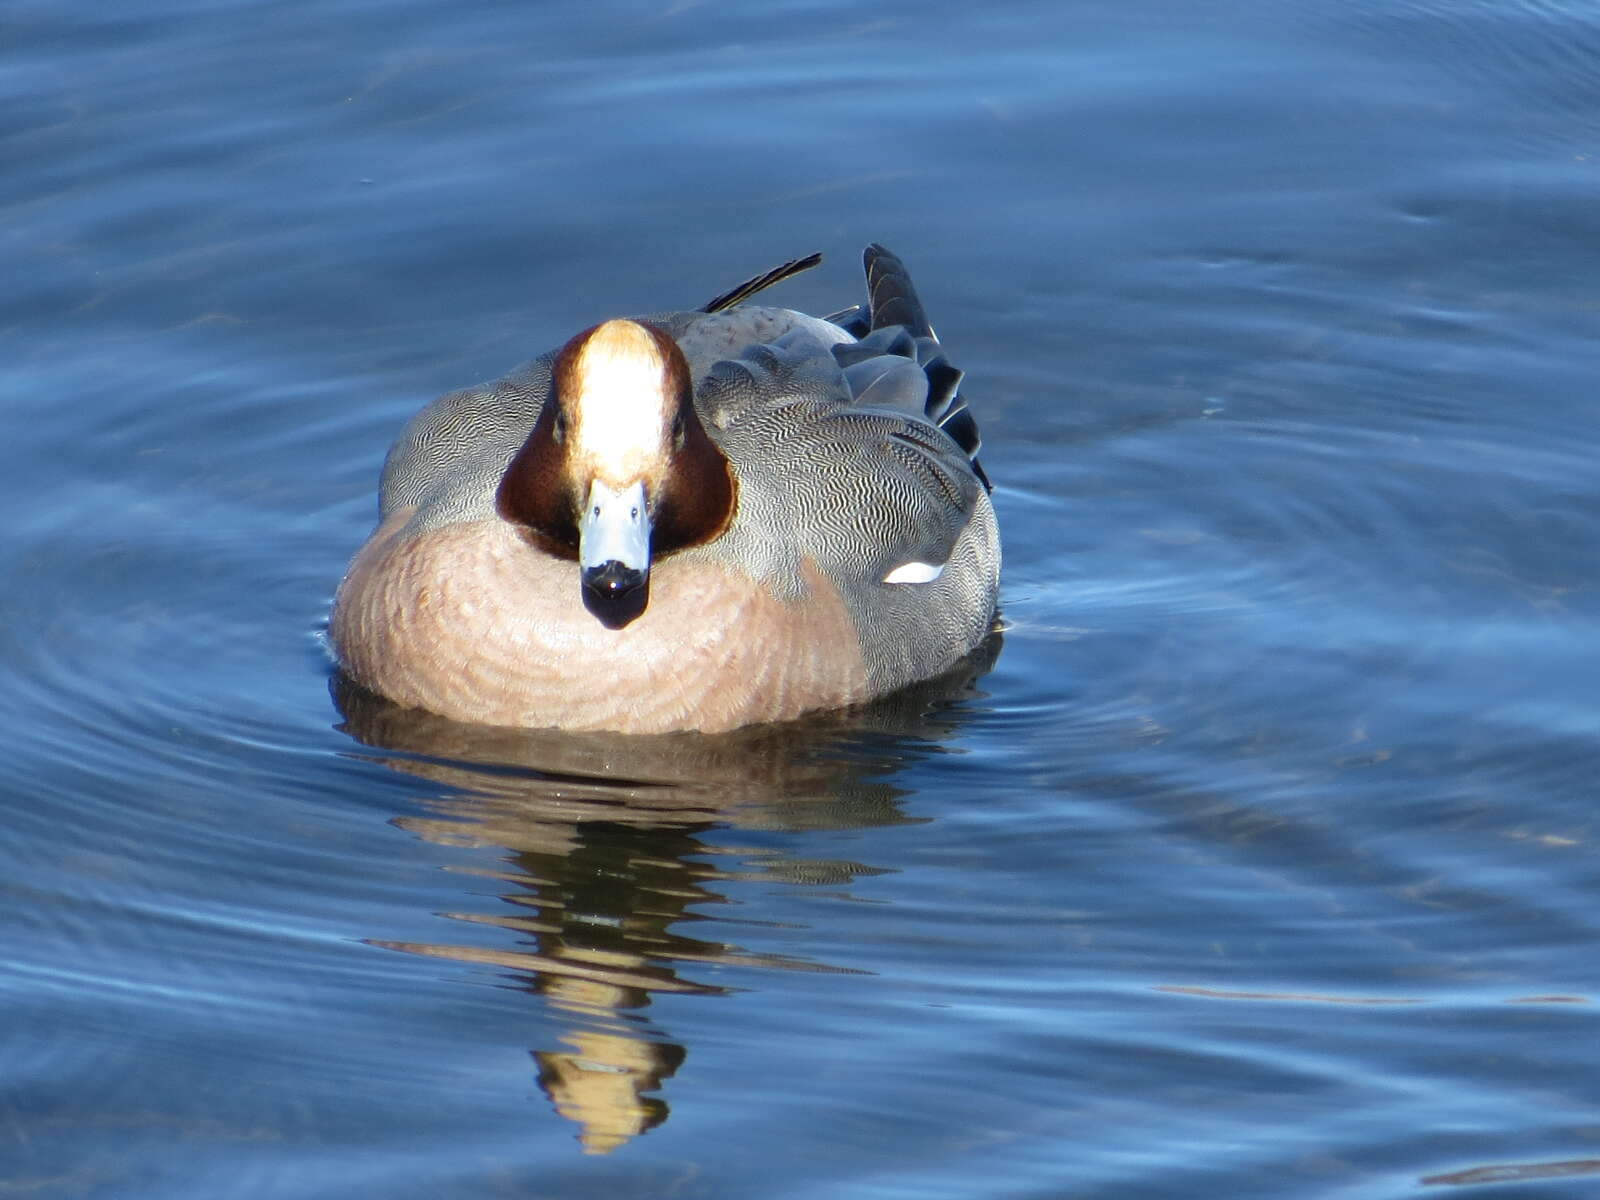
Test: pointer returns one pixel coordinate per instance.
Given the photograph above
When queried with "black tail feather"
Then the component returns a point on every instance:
(855, 320)
(944, 384)
(766, 279)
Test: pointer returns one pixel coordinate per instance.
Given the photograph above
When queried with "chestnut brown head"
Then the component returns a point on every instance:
(618, 471)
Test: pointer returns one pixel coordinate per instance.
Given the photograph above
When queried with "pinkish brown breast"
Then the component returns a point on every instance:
(471, 622)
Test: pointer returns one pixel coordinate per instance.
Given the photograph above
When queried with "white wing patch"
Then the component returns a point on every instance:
(915, 572)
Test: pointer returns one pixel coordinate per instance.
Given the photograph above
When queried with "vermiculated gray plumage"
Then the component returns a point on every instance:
(849, 438)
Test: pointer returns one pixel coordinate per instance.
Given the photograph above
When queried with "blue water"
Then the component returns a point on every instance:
(1262, 863)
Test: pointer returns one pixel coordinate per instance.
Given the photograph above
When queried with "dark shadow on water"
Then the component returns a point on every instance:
(606, 860)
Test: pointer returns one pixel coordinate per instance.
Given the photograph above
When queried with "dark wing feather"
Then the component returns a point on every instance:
(895, 323)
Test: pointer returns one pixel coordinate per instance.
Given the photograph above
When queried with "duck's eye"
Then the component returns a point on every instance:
(678, 432)
(558, 428)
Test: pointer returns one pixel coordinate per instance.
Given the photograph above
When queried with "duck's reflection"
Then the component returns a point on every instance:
(608, 864)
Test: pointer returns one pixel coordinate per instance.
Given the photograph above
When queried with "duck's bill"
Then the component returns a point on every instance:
(614, 553)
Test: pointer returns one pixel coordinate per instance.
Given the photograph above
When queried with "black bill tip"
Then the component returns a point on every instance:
(615, 593)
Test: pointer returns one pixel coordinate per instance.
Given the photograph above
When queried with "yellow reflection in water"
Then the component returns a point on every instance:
(603, 860)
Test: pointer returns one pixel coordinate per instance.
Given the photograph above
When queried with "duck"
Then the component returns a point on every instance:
(692, 520)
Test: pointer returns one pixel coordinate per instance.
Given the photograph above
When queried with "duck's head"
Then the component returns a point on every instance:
(618, 471)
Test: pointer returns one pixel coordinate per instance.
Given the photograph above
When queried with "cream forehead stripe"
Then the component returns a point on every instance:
(619, 404)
